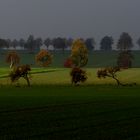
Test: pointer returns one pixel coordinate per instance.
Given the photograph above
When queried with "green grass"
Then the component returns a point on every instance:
(61, 76)
(70, 113)
(53, 109)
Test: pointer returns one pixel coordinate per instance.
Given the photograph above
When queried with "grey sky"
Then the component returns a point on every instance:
(69, 18)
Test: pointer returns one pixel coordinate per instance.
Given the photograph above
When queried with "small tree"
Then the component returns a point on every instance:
(109, 72)
(79, 53)
(13, 58)
(20, 71)
(43, 58)
(78, 75)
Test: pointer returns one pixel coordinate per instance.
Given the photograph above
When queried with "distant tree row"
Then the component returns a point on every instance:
(32, 44)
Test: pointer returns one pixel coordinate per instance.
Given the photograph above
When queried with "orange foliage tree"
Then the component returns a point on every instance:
(79, 53)
(43, 58)
(12, 58)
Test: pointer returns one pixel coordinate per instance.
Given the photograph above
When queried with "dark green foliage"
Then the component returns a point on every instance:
(106, 43)
(125, 59)
(20, 71)
(78, 75)
(90, 43)
(125, 42)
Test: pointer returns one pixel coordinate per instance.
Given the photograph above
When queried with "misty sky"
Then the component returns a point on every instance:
(69, 18)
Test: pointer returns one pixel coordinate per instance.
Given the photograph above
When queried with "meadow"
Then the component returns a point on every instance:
(54, 109)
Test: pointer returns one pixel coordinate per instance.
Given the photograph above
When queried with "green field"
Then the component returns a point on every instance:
(70, 113)
(53, 109)
(96, 59)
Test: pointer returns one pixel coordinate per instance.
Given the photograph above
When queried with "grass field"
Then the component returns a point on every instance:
(70, 113)
(61, 76)
(96, 59)
(53, 109)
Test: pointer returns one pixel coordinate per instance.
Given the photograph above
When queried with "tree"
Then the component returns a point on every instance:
(138, 42)
(47, 42)
(13, 58)
(106, 43)
(3, 43)
(20, 71)
(22, 43)
(30, 44)
(78, 75)
(79, 53)
(15, 43)
(125, 59)
(109, 72)
(90, 43)
(38, 43)
(125, 42)
(59, 43)
(43, 58)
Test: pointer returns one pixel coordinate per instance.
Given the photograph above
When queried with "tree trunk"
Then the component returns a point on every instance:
(28, 81)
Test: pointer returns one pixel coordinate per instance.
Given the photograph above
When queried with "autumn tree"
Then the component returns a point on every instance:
(20, 71)
(43, 58)
(109, 72)
(78, 75)
(79, 53)
(12, 58)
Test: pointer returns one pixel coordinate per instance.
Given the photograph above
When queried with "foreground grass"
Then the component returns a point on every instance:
(65, 112)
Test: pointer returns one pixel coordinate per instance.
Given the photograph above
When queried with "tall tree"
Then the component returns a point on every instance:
(15, 43)
(90, 43)
(79, 53)
(138, 42)
(3, 43)
(38, 43)
(22, 43)
(106, 43)
(59, 43)
(47, 42)
(125, 42)
(30, 43)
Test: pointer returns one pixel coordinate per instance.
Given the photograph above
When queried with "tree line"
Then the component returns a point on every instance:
(125, 42)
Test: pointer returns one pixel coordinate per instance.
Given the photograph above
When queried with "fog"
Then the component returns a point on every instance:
(69, 18)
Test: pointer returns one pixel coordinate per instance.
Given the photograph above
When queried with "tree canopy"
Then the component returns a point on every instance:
(79, 53)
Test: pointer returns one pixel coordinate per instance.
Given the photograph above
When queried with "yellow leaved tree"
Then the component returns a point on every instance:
(79, 53)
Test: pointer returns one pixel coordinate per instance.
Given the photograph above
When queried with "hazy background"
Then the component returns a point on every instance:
(69, 18)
